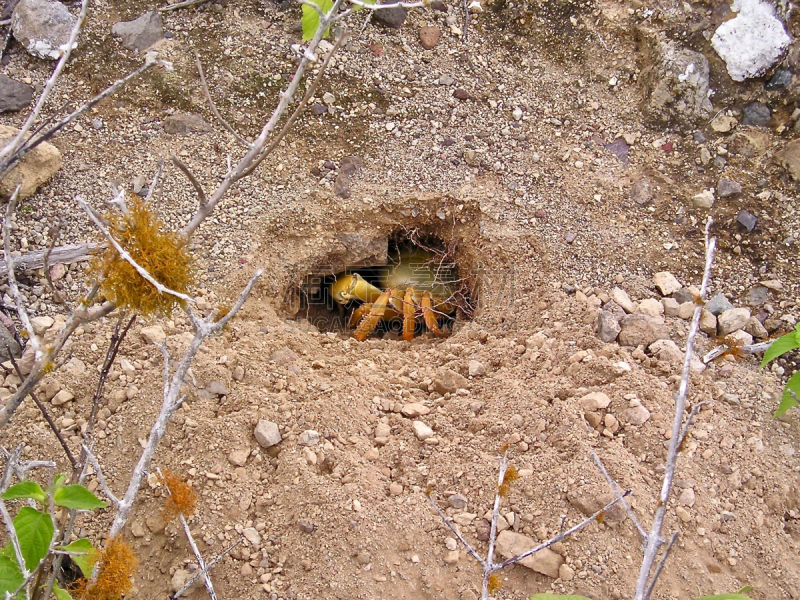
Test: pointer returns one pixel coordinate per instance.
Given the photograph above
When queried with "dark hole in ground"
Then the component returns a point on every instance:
(417, 258)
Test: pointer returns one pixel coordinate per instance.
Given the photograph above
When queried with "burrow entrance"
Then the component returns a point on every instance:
(406, 257)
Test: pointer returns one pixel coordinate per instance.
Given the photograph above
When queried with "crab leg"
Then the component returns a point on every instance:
(429, 315)
(408, 315)
(358, 314)
(369, 322)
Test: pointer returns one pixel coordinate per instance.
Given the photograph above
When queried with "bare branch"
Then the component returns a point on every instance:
(92, 459)
(22, 312)
(171, 402)
(155, 181)
(178, 5)
(162, 289)
(456, 532)
(746, 349)
(653, 543)
(8, 155)
(190, 176)
(617, 492)
(67, 254)
(213, 106)
(202, 572)
(661, 564)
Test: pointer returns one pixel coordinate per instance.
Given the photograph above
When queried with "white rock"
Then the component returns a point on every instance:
(621, 297)
(251, 535)
(751, 42)
(667, 350)
(267, 434)
(62, 397)
(650, 306)
(475, 8)
(704, 199)
(308, 438)
(731, 320)
(476, 368)
(422, 431)
(41, 324)
(414, 409)
(595, 401)
(666, 283)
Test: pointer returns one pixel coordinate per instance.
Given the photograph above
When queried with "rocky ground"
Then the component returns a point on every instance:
(567, 153)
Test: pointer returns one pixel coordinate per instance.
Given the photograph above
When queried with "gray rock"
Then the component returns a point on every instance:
(318, 108)
(608, 326)
(641, 330)
(458, 501)
(7, 342)
(42, 26)
(309, 437)
(184, 124)
(642, 192)
(267, 434)
(781, 79)
(756, 113)
(391, 17)
(676, 85)
(731, 320)
(718, 304)
(341, 187)
(140, 33)
(636, 415)
(758, 296)
(671, 307)
(545, 561)
(727, 187)
(351, 164)
(14, 95)
(683, 295)
(747, 220)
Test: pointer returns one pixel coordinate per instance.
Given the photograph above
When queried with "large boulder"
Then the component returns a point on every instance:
(35, 168)
(42, 26)
(676, 85)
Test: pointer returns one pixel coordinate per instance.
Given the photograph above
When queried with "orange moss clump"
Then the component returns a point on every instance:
(161, 253)
(181, 499)
(494, 584)
(510, 477)
(117, 566)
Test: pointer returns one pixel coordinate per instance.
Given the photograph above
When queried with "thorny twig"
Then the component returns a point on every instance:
(202, 572)
(489, 566)
(193, 545)
(213, 106)
(45, 414)
(98, 472)
(190, 176)
(125, 255)
(654, 541)
(22, 312)
(172, 400)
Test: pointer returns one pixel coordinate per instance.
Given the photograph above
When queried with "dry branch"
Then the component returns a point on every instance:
(66, 255)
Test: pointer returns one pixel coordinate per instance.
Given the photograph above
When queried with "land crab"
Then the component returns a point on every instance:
(417, 287)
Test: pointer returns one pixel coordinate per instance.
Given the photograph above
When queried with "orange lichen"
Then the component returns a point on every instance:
(510, 477)
(181, 499)
(600, 516)
(117, 566)
(494, 584)
(163, 254)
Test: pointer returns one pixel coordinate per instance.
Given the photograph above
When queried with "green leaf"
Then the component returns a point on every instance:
(83, 555)
(58, 482)
(10, 576)
(34, 531)
(557, 597)
(787, 400)
(25, 489)
(781, 346)
(77, 496)
(736, 596)
(747, 588)
(310, 19)
(59, 593)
